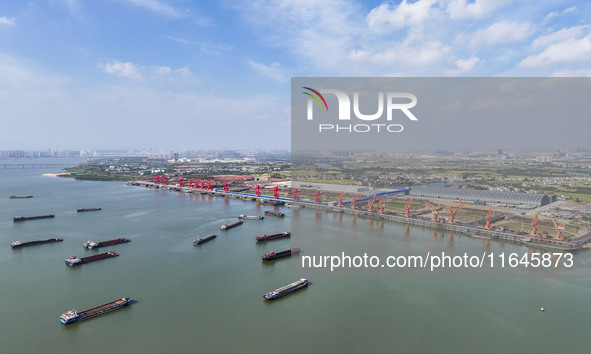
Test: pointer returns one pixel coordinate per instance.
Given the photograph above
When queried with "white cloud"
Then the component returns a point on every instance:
(556, 13)
(118, 68)
(464, 66)
(273, 71)
(404, 15)
(7, 21)
(459, 9)
(37, 105)
(502, 32)
(138, 72)
(428, 53)
(558, 36)
(157, 7)
(568, 50)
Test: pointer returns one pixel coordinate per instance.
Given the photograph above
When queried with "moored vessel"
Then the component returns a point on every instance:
(265, 237)
(204, 239)
(287, 253)
(75, 316)
(255, 217)
(93, 244)
(17, 244)
(231, 225)
(74, 261)
(25, 218)
(286, 290)
(87, 209)
(274, 213)
(272, 202)
(20, 196)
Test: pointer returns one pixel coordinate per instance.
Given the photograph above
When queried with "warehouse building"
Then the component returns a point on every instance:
(528, 200)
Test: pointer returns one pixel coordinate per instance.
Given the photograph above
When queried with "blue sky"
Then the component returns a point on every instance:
(181, 74)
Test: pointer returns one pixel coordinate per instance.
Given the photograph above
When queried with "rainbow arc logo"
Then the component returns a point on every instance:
(316, 98)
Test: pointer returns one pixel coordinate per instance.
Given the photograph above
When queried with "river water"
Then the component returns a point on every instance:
(209, 298)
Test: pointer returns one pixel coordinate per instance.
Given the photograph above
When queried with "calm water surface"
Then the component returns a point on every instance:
(209, 298)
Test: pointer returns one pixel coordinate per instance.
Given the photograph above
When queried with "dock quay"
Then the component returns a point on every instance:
(468, 229)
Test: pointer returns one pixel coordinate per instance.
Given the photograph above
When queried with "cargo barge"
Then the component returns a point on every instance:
(231, 225)
(286, 290)
(74, 261)
(25, 218)
(20, 196)
(255, 217)
(274, 213)
(74, 316)
(204, 239)
(17, 244)
(87, 209)
(265, 237)
(272, 255)
(93, 244)
(272, 202)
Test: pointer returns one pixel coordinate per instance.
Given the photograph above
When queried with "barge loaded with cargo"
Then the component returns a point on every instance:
(75, 316)
(231, 225)
(287, 253)
(204, 239)
(286, 290)
(274, 213)
(93, 244)
(255, 217)
(74, 261)
(87, 209)
(25, 218)
(265, 237)
(17, 244)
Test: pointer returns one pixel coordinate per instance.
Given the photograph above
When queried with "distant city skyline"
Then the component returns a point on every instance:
(175, 75)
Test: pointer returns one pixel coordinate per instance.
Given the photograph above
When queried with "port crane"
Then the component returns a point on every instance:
(407, 208)
(434, 211)
(318, 196)
(559, 227)
(294, 194)
(488, 220)
(275, 192)
(382, 203)
(225, 187)
(354, 201)
(534, 226)
(370, 203)
(452, 212)
(257, 190)
(340, 199)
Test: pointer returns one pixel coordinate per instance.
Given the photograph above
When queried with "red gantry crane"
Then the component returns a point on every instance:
(257, 190)
(340, 199)
(294, 194)
(318, 197)
(382, 203)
